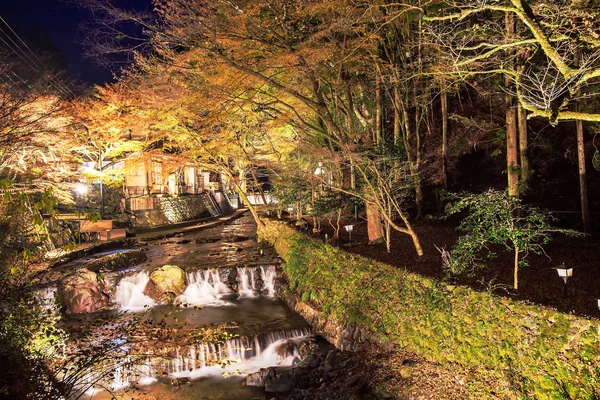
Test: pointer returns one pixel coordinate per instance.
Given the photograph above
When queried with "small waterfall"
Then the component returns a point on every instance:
(130, 293)
(239, 354)
(243, 355)
(122, 373)
(147, 374)
(250, 284)
(268, 274)
(204, 287)
(246, 282)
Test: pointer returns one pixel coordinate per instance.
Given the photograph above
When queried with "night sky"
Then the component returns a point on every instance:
(60, 22)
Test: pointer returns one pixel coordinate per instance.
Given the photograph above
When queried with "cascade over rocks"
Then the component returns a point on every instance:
(83, 292)
(228, 276)
(166, 283)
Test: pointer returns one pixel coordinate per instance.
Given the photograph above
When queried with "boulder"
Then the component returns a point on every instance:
(83, 292)
(116, 261)
(329, 360)
(308, 348)
(166, 283)
(258, 378)
(228, 276)
(280, 383)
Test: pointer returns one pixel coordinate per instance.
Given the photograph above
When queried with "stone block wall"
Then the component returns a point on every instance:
(173, 210)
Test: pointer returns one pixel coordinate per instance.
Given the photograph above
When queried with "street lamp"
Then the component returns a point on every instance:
(565, 273)
(349, 229)
(81, 189)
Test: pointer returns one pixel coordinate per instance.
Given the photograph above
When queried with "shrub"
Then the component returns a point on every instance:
(495, 217)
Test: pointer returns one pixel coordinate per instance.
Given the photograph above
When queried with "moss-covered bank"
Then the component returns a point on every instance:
(540, 351)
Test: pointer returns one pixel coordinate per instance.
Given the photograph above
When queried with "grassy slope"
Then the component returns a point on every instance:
(544, 353)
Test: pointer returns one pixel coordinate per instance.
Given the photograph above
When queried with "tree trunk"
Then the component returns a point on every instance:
(419, 197)
(413, 159)
(258, 186)
(516, 271)
(524, 159)
(397, 119)
(444, 101)
(416, 241)
(250, 207)
(375, 228)
(583, 192)
(512, 166)
(378, 111)
(243, 186)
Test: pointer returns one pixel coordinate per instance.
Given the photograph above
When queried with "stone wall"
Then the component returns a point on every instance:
(343, 336)
(173, 210)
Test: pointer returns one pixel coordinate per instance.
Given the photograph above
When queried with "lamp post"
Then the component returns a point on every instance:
(565, 273)
(80, 191)
(349, 229)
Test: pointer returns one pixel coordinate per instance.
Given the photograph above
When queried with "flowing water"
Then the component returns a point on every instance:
(266, 333)
(204, 287)
(130, 293)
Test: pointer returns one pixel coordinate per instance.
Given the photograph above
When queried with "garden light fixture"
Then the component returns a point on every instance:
(349, 229)
(320, 170)
(565, 273)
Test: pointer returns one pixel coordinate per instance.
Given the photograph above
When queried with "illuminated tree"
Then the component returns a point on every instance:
(551, 62)
(296, 64)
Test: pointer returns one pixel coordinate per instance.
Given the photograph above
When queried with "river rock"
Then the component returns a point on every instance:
(228, 276)
(166, 283)
(308, 348)
(258, 378)
(117, 261)
(83, 292)
(329, 360)
(285, 349)
(280, 383)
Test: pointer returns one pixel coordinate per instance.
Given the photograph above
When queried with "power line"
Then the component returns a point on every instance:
(34, 68)
(39, 66)
(36, 57)
(52, 80)
(15, 74)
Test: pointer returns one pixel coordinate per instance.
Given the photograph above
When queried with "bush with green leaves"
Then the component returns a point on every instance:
(496, 218)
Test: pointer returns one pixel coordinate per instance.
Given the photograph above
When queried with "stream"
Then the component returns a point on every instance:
(229, 280)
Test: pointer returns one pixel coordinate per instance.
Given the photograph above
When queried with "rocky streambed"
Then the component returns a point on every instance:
(193, 316)
(172, 317)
